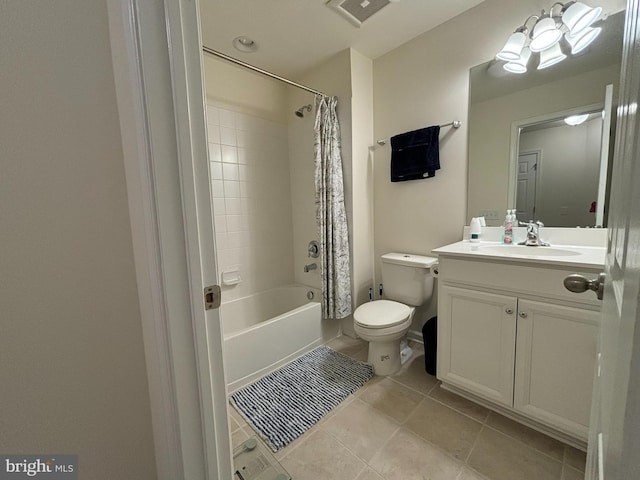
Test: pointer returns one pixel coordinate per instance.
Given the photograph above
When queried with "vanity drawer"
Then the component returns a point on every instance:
(522, 279)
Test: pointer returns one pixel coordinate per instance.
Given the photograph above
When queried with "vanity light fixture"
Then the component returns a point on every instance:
(569, 21)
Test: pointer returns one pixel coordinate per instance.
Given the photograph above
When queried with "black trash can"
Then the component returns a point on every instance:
(430, 338)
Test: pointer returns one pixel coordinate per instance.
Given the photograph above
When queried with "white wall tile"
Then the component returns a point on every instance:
(230, 171)
(213, 115)
(242, 155)
(229, 154)
(221, 242)
(228, 136)
(220, 223)
(215, 155)
(231, 189)
(213, 133)
(227, 118)
(219, 206)
(251, 200)
(234, 223)
(242, 138)
(233, 206)
(217, 189)
(216, 170)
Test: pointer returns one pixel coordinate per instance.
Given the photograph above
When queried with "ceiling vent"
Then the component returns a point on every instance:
(357, 11)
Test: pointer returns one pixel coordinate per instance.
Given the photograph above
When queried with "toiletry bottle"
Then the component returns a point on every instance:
(474, 230)
(508, 229)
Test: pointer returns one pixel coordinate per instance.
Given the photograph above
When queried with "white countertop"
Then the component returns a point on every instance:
(559, 255)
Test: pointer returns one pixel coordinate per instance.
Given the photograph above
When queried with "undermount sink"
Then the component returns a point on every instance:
(529, 251)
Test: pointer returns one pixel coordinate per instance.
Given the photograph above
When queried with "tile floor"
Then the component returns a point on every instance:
(407, 427)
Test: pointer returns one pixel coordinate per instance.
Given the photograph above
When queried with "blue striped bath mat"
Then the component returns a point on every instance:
(286, 403)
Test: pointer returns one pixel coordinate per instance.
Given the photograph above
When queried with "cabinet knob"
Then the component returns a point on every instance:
(523, 314)
(509, 310)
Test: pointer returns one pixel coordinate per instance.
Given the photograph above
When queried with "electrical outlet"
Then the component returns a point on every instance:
(489, 214)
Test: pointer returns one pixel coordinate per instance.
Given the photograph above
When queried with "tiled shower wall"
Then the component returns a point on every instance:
(251, 195)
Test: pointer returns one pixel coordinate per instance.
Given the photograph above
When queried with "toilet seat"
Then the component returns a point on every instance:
(381, 314)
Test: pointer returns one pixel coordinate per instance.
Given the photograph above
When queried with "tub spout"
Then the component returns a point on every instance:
(311, 266)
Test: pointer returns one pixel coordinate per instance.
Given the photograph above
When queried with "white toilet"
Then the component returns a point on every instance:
(383, 323)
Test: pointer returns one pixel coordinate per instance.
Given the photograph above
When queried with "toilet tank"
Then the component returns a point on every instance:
(406, 278)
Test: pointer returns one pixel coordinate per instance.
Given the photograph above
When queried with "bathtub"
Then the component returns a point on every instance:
(267, 330)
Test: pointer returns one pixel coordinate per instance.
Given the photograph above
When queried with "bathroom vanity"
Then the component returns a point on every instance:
(511, 337)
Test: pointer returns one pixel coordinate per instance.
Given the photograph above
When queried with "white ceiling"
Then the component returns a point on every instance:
(295, 35)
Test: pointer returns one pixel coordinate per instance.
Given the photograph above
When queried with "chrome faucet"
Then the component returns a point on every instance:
(533, 234)
(311, 266)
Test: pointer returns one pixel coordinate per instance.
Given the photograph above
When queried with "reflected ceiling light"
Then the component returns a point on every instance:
(583, 39)
(574, 120)
(551, 56)
(571, 21)
(244, 44)
(519, 65)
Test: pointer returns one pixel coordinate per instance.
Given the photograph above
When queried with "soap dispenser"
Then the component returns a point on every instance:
(507, 239)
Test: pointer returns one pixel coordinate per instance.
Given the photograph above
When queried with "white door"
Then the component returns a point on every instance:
(526, 188)
(604, 155)
(615, 419)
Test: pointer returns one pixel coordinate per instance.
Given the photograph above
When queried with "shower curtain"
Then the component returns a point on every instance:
(331, 215)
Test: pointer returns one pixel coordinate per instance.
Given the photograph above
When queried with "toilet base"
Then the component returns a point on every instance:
(385, 357)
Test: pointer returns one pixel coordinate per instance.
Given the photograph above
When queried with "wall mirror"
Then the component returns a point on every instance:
(522, 154)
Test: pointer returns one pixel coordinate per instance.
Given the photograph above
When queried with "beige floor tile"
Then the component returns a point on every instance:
(392, 398)
(240, 436)
(347, 345)
(413, 375)
(406, 456)
(369, 474)
(361, 355)
(443, 426)
(575, 458)
(362, 428)
(322, 457)
(500, 457)
(531, 437)
(233, 413)
(234, 425)
(461, 404)
(569, 473)
(468, 474)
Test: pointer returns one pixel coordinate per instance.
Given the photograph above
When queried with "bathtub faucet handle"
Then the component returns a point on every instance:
(309, 267)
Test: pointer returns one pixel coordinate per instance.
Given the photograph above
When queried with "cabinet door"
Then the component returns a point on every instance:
(476, 342)
(555, 358)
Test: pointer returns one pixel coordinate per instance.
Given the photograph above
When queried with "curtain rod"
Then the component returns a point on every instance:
(455, 124)
(259, 70)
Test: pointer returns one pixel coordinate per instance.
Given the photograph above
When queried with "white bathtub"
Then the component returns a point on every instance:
(267, 330)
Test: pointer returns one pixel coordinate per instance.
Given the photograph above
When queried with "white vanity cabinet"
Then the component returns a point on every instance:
(512, 337)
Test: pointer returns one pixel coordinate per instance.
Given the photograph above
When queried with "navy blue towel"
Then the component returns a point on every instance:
(415, 154)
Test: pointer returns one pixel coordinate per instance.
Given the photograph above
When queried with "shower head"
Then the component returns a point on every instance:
(300, 112)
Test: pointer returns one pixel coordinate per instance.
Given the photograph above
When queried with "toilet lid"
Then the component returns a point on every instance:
(381, 314)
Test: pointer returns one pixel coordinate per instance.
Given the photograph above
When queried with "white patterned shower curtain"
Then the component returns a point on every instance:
(331, 214)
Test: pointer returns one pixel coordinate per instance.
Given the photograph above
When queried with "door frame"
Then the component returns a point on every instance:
(538, 154)
(158, 78)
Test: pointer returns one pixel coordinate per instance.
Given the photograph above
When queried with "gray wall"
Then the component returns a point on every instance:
(72, 368)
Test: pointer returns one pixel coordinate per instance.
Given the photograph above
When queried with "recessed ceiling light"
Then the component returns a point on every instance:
(245, 44)
(574, 120)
